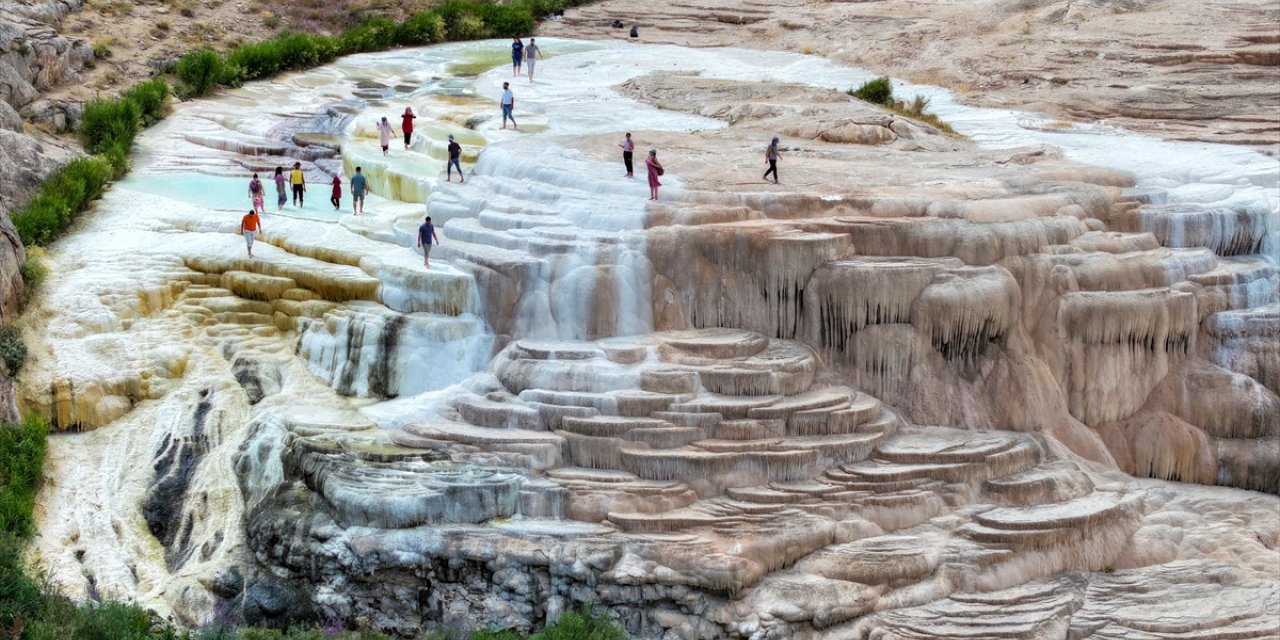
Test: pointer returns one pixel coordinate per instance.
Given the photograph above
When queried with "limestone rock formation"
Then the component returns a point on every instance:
(904, 393)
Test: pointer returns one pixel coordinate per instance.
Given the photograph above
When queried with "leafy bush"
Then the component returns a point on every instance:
(877, 91)
(374, 34)
(108, 122)
(425, 27)
(200, 71)
(505, 20)
(460, 20)
(63, 195)
(101, 50)
(33, 270)
(284, 52)
(13, 351)
(152, 98)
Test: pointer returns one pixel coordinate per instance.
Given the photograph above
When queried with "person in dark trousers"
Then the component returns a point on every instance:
(299, 182)
(635, 31)
(517, 56)
(508, 106)
(426, 237)
(406, 126)
(455, 160)
(627, 148)
(771, 158)
(335, 198)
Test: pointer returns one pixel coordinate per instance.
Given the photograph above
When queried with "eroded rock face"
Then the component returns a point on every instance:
(905, 384)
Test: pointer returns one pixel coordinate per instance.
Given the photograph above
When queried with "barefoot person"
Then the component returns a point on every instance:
(358, 187)
(655, 169)
(336, 197)
(250, 225)
(256, 194)
(384, 135)
(628, 147)
(406, 125)
(455, 160)
(517, 56)
(426, 236)
(508, 106)
(531, 54)
(282, 193)
(299, 182)
(771, 159)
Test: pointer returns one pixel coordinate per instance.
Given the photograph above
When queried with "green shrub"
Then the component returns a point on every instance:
(505, 20)
(200, 71)
(374, 34)
(284, 52)
(460, 20)
(878, 91)
(152, 98)
(425, 27)
(63, 195)
(101, 50)
(585, 624)
(13, 351)
(22, 452)
(33, 271)
(108, 122)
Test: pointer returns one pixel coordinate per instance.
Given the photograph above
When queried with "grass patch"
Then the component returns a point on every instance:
(880, 92)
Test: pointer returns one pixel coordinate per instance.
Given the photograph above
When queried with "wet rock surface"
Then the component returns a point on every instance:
(898, 395)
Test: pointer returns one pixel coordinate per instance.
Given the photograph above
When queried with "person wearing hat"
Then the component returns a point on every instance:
(455, 160)
(771, 159)
(655, 169)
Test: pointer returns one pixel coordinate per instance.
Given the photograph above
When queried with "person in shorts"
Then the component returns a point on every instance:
(250, 225)
(358, 188)
(426, 236)
(455, 160)
(299, 182)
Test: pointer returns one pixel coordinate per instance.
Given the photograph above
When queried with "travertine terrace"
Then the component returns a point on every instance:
(1020, 383)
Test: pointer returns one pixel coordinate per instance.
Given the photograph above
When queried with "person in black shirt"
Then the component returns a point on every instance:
(455, 160)
(426, 236)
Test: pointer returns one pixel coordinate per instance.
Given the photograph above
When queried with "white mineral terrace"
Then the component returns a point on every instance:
(725, 395)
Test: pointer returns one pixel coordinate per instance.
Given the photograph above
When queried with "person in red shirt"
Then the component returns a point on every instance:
(335, 198)
(406, 125)
(250, 225)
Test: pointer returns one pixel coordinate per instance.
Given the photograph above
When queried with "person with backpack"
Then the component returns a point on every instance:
(455, 160)
(655, 169)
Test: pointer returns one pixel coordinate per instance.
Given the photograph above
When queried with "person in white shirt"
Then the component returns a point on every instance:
(508, 106)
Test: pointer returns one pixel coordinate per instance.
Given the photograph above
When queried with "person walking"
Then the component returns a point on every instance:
(358, 188)
(250, 225)
(531, 54)
(336, 196)
(384, 134)
(406, 126)
(426, 234)
(628, 147)
(299, 182)
(655, 169)
(771, 158)
(455, 160)
(508, 106)
(282, 194)
(256, 194)
(517, 56)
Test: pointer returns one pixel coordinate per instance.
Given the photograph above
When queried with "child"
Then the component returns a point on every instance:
(336, 196)
(255, 192)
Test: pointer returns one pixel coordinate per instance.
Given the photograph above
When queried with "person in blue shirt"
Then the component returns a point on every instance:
(426, 237)
(517, 56)
(358, 188)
